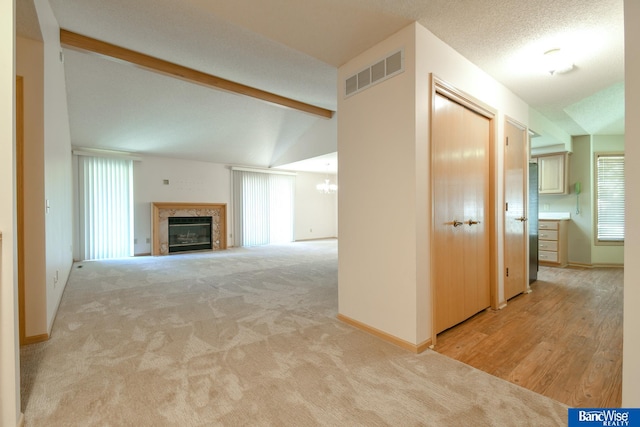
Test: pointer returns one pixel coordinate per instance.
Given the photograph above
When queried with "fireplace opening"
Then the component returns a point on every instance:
(191, 233)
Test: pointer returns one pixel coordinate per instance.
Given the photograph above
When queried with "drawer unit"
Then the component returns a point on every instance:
(552, 243)
(548, 225)
(548, 257)
(548, 245)
(547, 235)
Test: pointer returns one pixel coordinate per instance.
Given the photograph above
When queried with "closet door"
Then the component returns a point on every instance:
(460, 177)
(448, 210)
(475, 160)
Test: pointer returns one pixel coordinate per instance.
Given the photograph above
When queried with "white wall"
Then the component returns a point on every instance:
(57, 167)
(30, 65)
(316, 214)
(189, 181)
(9, 348)
(193, 181)
(376, 199)
(384, 209)
(631, 347)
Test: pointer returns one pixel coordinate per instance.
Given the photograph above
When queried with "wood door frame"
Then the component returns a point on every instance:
(446, 89)
(20, 203)
(525, 195)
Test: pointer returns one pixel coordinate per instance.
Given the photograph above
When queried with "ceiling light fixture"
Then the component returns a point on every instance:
(557, 62)
(326, 187)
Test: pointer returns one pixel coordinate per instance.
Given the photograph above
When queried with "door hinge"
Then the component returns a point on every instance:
(506, 208)
(507, 271)
(507, 138)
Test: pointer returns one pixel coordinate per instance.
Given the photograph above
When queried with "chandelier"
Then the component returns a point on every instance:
(326, 187)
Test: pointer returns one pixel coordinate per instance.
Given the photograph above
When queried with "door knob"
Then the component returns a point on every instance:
(457, 223)
(472, 222)
(521, 219)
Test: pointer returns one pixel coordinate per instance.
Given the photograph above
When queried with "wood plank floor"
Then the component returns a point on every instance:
(563, 340)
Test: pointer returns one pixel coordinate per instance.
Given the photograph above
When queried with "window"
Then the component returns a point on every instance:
(263, 207)
(609, 199)
(106, 207)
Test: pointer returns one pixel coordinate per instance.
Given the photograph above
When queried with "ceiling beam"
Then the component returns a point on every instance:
(86, 44)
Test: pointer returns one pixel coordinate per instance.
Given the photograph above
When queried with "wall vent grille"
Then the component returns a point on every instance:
(378, 72)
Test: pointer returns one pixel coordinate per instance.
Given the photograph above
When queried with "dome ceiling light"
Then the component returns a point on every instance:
(557, 62)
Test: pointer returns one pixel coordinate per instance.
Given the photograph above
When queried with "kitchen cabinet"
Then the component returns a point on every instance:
(553, 242)
(553, 173)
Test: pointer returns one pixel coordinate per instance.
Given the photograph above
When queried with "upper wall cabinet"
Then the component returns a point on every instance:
(553, 173)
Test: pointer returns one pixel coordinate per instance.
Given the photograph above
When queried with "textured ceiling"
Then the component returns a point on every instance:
(293, 48)
(511, 37)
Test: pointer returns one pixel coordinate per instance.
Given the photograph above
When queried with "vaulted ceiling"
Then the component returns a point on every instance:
(292, 48)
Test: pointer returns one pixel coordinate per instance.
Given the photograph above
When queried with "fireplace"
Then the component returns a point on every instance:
(180, 227)
(189, 233)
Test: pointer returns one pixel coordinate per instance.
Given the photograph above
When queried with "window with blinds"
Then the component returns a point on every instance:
(263, 207)
(106, 207)
(609, 199)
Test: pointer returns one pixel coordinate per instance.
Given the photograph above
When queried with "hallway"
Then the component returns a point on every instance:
(563, 340)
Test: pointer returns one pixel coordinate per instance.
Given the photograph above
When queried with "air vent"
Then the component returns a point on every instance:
(376, 73)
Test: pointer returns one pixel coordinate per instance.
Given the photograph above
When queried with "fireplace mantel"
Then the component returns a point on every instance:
(161, 211)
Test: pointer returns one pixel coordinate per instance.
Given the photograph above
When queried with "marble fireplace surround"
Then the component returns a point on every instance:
(162, 211)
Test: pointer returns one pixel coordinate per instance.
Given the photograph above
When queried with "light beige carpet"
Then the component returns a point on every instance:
(246, 336)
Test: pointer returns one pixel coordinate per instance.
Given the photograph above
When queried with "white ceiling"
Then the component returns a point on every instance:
(293, 48)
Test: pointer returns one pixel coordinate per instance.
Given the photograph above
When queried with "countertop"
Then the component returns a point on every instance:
(554, 216)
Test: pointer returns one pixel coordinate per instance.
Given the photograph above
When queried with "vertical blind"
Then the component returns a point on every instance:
(263, 207)
(610, 197)
(106, 207)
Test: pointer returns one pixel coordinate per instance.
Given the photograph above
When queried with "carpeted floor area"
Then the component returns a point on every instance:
(246, 336)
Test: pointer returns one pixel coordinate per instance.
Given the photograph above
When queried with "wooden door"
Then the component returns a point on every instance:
(448, 203)
(460, 178)
(515, 216)
(475, 173)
